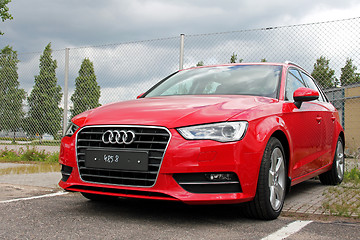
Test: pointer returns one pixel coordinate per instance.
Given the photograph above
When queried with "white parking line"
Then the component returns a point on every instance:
(287, 230)
(35, 197)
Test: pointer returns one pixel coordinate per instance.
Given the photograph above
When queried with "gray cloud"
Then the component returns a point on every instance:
(127, 69)
(87, 22)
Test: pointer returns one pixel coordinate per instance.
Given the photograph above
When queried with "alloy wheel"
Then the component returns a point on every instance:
(340, 160)
(277, 179)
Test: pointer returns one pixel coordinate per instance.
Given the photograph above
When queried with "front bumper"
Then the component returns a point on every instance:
(182, 157)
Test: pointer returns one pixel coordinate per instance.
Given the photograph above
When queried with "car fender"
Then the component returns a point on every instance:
(264, 129)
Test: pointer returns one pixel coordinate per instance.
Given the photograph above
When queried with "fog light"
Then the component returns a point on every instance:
(220, 177)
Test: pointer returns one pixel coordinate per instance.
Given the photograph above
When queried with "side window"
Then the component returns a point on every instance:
(293, 82)
(308, 80)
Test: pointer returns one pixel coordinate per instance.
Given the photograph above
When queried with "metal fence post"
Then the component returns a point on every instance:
(66, 80)
(181, 65)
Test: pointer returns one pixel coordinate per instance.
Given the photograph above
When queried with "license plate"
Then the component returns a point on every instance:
(119, 160)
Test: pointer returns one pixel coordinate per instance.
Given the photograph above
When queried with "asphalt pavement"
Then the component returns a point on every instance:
(71, 216)
(32, 206)
(304, 198)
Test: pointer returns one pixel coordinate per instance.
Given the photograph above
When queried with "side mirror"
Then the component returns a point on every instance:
(304, 95)
(140, 96)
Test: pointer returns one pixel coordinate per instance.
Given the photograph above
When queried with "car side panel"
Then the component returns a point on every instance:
(331, 132)
(306, 129)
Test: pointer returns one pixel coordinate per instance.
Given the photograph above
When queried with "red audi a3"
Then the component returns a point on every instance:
(228, 134)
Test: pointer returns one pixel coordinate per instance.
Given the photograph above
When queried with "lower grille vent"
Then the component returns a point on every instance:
(122, 192)
(209, 182)
(65, 172)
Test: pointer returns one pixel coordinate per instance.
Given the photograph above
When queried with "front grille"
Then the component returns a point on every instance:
(153, 140)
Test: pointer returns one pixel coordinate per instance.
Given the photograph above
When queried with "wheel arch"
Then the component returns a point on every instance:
(342, 135)
(275, 126)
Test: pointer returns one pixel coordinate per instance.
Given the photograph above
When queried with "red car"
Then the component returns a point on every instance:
(223, 134)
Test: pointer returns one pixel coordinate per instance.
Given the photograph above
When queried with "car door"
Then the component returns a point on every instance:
(327, 114)
(305, 129)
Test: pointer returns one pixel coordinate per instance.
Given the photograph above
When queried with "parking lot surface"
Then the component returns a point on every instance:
(33, 207)
(70, 216)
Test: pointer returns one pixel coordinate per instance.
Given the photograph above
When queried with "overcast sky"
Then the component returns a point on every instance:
(125, 70)
(77, 23)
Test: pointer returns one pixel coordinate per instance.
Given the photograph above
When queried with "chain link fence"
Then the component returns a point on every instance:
(32, 84)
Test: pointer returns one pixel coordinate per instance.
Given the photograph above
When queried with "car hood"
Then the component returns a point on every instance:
(171, 111)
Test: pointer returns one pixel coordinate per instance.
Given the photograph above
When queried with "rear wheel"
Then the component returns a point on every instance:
(336, 174)
(271, 187)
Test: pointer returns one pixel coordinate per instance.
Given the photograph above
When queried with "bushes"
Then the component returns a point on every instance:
(28, 155)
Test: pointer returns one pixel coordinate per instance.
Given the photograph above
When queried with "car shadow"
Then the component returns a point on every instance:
(305, 197)
(165, 210)
(177, 212)
(311, 186)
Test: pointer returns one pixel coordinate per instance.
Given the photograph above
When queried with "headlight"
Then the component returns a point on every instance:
(222, 132)
(71, 129)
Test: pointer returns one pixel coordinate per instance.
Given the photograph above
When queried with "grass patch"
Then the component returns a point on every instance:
(352, 176)
(344, 199)
(38, 161)
(33, 168)
(28, 155)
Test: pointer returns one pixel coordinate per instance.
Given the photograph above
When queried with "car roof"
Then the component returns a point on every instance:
(287, 63)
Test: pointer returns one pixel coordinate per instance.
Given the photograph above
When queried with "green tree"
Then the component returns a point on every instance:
(4, 12)
(87, 90)
(199, 64)
(263, 60)
(11, 96)
(44, 114)
(234, 58)
(348, 73)
(323, 74)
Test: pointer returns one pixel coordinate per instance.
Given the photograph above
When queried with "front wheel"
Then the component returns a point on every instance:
(271, 187)
(336, 174)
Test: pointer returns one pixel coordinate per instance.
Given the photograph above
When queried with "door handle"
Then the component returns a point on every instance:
(318, 119)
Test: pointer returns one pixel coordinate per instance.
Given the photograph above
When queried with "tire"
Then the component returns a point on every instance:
(271, 186)
(98, 197)
(336, 174)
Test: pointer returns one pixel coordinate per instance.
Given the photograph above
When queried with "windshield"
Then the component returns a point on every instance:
(257, 80)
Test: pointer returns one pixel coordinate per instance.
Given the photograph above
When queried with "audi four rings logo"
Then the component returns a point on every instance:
(119, 137)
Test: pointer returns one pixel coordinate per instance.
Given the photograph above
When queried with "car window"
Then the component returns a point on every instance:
(256, 80)
(185, 87)
(310, 83)
(182, 88)
(296, 74)
(293, 82)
